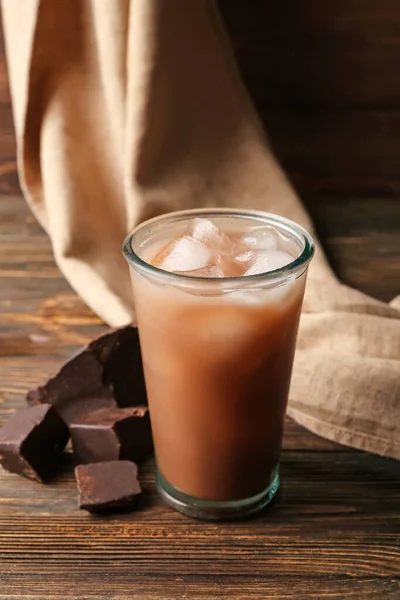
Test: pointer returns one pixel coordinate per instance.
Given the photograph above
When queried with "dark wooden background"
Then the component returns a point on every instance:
(324, 75)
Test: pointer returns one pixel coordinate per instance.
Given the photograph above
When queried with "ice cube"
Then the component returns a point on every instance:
(246, 257)
(216, 271)
(230, 267)
(235, 266)
(261, 238)
(205, 231)
(269, 260)
(184, 254)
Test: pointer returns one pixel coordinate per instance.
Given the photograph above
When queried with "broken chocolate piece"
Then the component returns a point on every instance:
(105, 374)
(32, 441)
(107, 486)
(119, 353)
(112, 434)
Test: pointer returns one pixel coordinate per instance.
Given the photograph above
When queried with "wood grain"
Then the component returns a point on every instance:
(332, 533)
(308, 53)
(128, 585)
(341, 152)
(8, 165)
(331, 492)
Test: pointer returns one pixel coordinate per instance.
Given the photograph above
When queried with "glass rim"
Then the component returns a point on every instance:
(267, 218)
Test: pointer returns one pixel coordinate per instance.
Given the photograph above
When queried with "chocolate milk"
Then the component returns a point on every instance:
(218, 352)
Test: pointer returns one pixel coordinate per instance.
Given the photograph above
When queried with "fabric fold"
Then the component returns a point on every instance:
(125, 110)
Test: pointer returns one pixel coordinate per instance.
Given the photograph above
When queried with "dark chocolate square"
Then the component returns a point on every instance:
(112, 434)
(107, 486)
(32, 441)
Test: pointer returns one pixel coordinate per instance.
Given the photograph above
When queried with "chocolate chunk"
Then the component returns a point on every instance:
(112, 434)
(32, 441)
(108, 486)
(105, 374)
(119, 353)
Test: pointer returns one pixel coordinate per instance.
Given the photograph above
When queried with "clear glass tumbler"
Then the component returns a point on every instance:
(218, 356)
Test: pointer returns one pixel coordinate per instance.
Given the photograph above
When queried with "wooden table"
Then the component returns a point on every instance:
(334, 531)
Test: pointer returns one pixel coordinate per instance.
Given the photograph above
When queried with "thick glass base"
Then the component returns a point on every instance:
(216, 510)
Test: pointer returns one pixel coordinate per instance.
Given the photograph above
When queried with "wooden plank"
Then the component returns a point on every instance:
(128, 586)
(343, 153)
(319, 540)
(4, 90)
(333, 532)
(342, 494)
(361, 238)
(146, 550)
(9, 183)
(336, 53)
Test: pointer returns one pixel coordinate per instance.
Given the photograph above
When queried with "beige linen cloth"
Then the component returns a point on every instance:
(125, 109)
